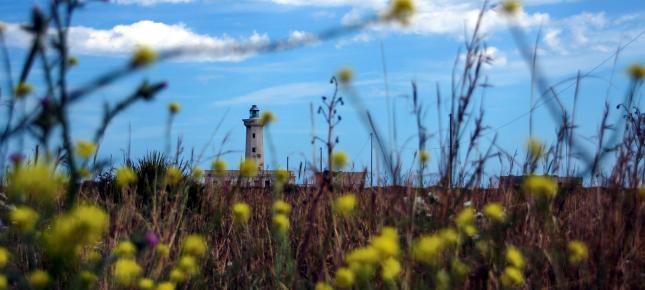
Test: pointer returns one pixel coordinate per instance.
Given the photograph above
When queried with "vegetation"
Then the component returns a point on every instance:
(70, 221)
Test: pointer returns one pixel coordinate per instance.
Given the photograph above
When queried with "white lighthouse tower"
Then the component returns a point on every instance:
(254, 141)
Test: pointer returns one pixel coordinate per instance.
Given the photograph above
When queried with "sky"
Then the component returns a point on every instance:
(576, 36)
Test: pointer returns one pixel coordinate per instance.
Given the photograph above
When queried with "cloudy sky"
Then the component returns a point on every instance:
(577, 35)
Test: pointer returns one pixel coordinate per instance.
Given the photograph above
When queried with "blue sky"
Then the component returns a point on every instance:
(577, 35)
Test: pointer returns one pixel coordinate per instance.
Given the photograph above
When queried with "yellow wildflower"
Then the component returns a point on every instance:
(4, 284)
(144, 55)
(449, 236)
(146, 284)
(219, 166)
(541, 186)
(281, 207)
(578, 251)
(197, 172)
(166, 286)
(85, 149)
(195, 245)
(23, 89)
(88, 278)
(282, 176)
(173, 175)
(401, 10)
(459, 268)
(511, 7)
(84, 225)
(345, 75)
(345, 204)
(38, 182)
(125, 176)
(339, 160)
(177, 275)
(495, 212)
(636, 71)
(390, 269)
(465, 217)
(84, 172)
(428, 249)
(515, 257)
(323, 286)
(125, 249)
(442, 279)
(387, 244)
(267, 118)
(4, 257)
(162, 250)
(534, 148)
(512, 277)
(39, 279)
(174, 107)
(188, 264)
(424, 157)
(241, 213)
(248, 168)
(344, 278)
(281, 222)
(24, 218)
(126, 271)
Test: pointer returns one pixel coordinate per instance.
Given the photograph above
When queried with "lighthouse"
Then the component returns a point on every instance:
(254, 141)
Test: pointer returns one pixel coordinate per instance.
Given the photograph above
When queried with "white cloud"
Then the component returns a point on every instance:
(123, 39)
(149, 2)
(298, 36)
(281, 94)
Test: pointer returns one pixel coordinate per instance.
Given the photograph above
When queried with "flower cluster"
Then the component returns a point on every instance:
(281, 211)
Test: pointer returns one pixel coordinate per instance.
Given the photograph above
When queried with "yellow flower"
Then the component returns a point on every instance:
(195, 245)
(125, 249)
(636, 71)
(173, 175)
(23, 89)
(281, 222)
(166, 286)
(4, 284)
(162, 250)
(177, 275)
(39, 279)
(267, 118)
(248, 168)
(125, 176)
(344, 278)
(88, 278)
(345, 204)
(91, 221)
(323, 286)
(84, 172)
(197, 172)
(495, 212)
(339, 160)
(24, 218)
(281, 207)
(387, 244)
(146, 284)
(512, 277)
(449, 236)
(541, 186)
(511, 6)
(241, 213)
(424, 156)
(428, 249)
(345, 75)
(219, 166)
(174, 107)
(38, 182)
(390, 269)
(4, 257)
(126, 271)
(188, 264)
(84, 225)
(534, 148)
(365, 255)
(282, 176)
(401, 10)
(85, 149)
(442, 279)
(578, 252)
(144, 55)
(459, 268)
(515, 257)
(465, 219)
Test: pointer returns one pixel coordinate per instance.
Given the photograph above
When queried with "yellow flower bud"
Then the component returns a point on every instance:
(174, 107)
(85, 149)
(241, 213)
(144, 55)
(345, 204)
(23, 218)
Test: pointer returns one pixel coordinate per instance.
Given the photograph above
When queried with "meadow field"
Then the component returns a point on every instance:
(69, 220)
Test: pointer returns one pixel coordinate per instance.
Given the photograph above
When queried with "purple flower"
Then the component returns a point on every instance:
(152, 239)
